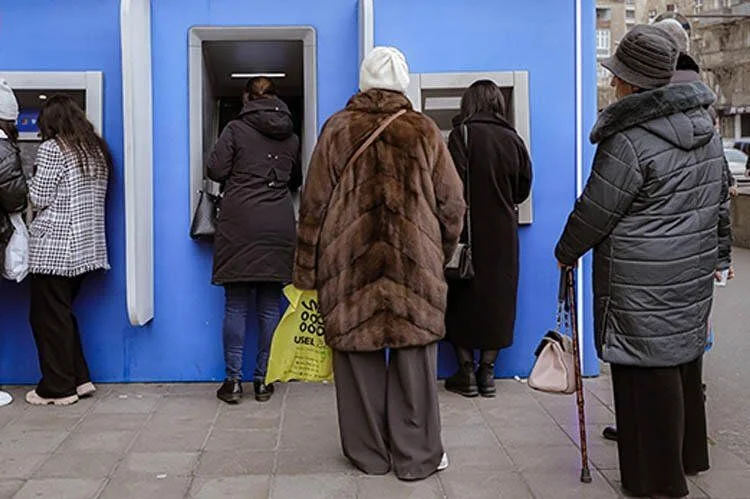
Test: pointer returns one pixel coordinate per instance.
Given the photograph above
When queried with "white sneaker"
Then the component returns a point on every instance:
(34, 399)
(5, 398)
(85, 389)
(443, 463)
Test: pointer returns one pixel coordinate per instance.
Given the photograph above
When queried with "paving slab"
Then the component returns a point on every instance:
(392, 488)
(319, 486)
(239, 487)
(60, 488)
(8, 488)
(156, 464)
(227, 463)
(150, 488)
(78, 464)
(477, 485)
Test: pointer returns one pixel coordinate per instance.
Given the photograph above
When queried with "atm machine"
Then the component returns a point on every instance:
(438, 95)
(33, 88)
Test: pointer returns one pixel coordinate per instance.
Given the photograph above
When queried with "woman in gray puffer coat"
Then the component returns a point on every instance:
(655, 211)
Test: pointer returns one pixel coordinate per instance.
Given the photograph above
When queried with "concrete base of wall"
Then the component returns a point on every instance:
(741, 218)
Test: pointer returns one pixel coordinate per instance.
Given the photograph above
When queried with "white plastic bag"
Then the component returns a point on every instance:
(16, 266)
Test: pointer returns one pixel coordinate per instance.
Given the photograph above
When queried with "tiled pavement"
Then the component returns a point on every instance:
(173, 441)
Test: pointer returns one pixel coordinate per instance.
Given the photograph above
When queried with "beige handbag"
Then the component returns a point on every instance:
(554, 369)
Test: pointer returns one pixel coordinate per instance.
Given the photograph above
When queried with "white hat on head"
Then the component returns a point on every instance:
(8, 102)
(384, 68)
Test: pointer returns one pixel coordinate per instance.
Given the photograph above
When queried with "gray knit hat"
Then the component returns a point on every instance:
(646, 58)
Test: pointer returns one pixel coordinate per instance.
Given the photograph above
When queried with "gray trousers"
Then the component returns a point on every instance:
(388, 411)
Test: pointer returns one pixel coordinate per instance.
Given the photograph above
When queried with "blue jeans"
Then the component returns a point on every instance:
(240, 298)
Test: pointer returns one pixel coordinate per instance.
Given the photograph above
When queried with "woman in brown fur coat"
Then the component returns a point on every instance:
(373, 240)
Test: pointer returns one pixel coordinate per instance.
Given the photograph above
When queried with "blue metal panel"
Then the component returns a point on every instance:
(183, 342)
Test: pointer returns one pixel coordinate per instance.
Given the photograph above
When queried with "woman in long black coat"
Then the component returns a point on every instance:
(257, 162)
(482, 311)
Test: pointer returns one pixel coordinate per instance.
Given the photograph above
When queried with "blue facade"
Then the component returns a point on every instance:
(183, 343)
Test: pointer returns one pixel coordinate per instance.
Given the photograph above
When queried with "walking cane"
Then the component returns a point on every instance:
(570, 305)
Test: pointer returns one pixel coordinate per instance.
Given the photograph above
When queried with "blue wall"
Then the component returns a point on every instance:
(184, 342)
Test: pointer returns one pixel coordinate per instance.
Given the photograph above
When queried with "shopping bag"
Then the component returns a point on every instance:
(16, 266)
(298, 350)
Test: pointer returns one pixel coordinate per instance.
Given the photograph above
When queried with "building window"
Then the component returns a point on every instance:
(629, 2)
(602, 73)
(603, 14)
(629, 15)
(671, 7)
(603, 43)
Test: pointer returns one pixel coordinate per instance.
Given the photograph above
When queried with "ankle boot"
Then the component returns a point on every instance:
(464, 382)
(230, 392)
(486, 380)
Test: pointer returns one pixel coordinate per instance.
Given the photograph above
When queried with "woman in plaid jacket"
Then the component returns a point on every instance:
(67, 242)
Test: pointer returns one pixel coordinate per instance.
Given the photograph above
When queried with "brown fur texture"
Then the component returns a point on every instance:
(373, 240)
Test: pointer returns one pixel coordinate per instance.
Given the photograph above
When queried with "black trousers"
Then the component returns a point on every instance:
(56, 334)
(661, 424)
(389, 416)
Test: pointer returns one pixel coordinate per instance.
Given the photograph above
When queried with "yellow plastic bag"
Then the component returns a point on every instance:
(298, 350)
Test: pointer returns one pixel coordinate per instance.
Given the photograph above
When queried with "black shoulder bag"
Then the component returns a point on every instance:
(461, 265)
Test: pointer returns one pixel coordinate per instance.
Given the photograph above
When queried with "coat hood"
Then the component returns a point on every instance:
(269, 116)
(484, 117)
(677, 113)
(378, 101)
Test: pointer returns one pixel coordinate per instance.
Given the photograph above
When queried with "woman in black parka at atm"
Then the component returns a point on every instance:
(257, 161)
(481, 312)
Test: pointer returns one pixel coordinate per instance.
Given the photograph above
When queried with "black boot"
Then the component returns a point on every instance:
(486, 380)
(464, 382)
(230, 392)
(263, 391)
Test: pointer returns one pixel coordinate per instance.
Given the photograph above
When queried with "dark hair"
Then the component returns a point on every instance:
(482, 96)
(10, 129)
(64, 121)
(260, 88)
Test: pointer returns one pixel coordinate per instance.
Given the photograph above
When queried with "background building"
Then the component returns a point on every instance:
(613, 19)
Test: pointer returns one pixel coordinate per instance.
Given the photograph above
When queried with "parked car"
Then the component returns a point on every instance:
(737, 164)
(742, 145)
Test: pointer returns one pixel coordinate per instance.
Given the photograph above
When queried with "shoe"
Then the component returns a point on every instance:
(34, 399)
(263, 391)
(443, 463)
(486, 380)
(464, 382)
(85, 389)
(231, 391)
(5, 398)
(610, 433)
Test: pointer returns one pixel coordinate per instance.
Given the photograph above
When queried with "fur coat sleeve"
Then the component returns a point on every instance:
(313, 204)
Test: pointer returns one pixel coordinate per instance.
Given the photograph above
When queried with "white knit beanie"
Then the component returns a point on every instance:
(8, 102)
(674, 28)
(384, 68)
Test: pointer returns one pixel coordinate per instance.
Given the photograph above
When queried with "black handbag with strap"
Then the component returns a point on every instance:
(205, 217)
(461, 265)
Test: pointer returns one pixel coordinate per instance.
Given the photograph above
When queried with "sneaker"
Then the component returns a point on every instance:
(5, 398)
(263, 391)
(85, 389)
(34, 399)
(464, 382)
(443, 463)
(230, 392)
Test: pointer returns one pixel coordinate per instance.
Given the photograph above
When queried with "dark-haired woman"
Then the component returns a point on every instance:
(13, 190)
(481, 312)
(257, 162)
(67, 243)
